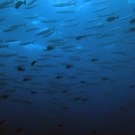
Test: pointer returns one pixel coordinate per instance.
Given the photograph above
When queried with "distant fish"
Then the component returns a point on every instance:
(69, 66)
(80, 37)
(50, 48)
(26, 79)
(131, 86)
(32, 63)
(132, 29)
(83, 82)
(20, 69)
(132, 21)
(58, 77)
(93, 131)
(19, 3)
(64, 91)
(5, 96)
(64, 4)
(19, 130)
(94, 59)
(112, 18)
(1, 122)
(31, 2)
(33, 92)
(32, 6)
(105, 78)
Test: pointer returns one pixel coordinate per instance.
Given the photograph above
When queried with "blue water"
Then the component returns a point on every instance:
(83, 85)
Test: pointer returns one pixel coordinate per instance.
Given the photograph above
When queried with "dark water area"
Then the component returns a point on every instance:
(67, 67)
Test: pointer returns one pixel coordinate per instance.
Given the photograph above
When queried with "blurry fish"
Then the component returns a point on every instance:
(71, 19)
(132, 21)
(33, 92)
(131, 86)
(125, 17)
(22, 57)
(58, 77)
(19, 3)
(50, 48)
(31, 29)
(100, 2)
(5, 96)
(11, 40)
(65, 11)
(26, 79)
(32, 17)
(92, 20)
(72, 25)
(32, 6)
(64, 107)
(102, 8)
(31, 2)
(93, 131)
(105, 78)
(5, 4)
(64, 4)
(94, 59)
(20, 69)
(9, 29)
(26, 43)
(64, 91)
(45, 31)
(18, 25)
(112, 18)
(3, 46)
(32, 63)
(83, 82)
(19, 130)
(60, 125)
(1, 123)
(132, 29)
(59, 40)
(69, 66)
(80, 37)
(50, 20)
(48, 34)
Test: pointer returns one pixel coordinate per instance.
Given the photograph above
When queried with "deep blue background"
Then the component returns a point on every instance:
(109, 108)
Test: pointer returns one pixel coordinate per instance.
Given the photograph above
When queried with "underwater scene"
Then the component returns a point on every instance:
(67, 67)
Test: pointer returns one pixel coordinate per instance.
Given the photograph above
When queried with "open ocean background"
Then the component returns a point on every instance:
(84, 84)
